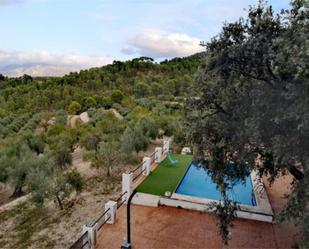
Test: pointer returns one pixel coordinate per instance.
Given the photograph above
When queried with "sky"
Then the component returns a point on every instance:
(55, 37)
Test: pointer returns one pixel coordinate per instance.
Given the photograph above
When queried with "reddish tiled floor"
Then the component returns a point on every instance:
(167, 227)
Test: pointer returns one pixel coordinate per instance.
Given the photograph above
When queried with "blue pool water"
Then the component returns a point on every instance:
(196, 182)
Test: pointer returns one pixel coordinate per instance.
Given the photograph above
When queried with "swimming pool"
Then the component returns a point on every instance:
(198, 183)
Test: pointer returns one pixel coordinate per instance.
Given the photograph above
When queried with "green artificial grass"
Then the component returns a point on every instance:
(165, 177)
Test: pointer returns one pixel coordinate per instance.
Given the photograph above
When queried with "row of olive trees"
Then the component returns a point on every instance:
(112, 141)
(39, 162)
(40, 165)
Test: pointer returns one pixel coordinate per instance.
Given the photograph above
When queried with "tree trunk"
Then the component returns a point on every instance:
(59, 202)
(17, 191)
(108, 171)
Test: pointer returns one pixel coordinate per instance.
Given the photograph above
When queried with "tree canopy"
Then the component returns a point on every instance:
(250, 99)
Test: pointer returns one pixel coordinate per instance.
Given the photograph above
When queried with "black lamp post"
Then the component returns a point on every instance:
(127, 244)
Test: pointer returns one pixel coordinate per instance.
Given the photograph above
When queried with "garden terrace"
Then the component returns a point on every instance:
(168, 227)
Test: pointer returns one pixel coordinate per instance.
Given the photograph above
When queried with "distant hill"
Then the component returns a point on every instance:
(139, 77)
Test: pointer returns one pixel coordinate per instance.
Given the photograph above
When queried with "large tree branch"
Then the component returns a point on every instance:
(295, 172)
(221, 109)
(298, 175)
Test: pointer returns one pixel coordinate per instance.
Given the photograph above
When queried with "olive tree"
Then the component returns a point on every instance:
(107, 156)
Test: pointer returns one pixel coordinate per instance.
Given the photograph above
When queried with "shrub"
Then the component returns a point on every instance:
(117, 96)
(88, 102)
(74, 178)
(74, 107)
(61, 117)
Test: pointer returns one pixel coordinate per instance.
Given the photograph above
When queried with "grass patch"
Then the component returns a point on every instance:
(165, 177)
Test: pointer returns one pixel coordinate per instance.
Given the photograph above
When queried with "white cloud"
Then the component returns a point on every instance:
(161, 44)
(4, 2)
(45, 63)
(11, 2)
(128, 50)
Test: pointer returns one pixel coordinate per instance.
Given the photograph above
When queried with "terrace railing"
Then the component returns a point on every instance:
(102, 219)
(82, 243)
(121, 200)
(153, 157)
(138, 171)
(166, 146)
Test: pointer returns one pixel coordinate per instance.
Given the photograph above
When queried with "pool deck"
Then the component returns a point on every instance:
(167, 227)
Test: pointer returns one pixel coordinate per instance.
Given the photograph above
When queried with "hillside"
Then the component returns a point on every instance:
(66, 141)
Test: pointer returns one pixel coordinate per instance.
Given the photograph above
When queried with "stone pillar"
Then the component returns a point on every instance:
(127, 185)
(146, 166)
(158, 154)
(112, 206)
(92, 234)
(166, 146)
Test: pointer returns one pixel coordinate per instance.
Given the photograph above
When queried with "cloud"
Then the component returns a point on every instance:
(128, 50)
(10, 2)
(161, 44)
(45, 63)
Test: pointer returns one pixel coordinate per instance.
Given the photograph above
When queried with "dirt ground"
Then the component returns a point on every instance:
(5, 193)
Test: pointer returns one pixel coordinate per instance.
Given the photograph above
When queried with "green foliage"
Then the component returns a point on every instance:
(88, 102)
(137, 136)
(45, 186)
(141, 90)
(156, 89)
(91, 141)
(36, 143)
(74, 178)
(32, 123)
(61, 117)
(105, 102)
(168, 124)
(26, 94)
(107, 156)
(39, 182)
(117, 96)
(13, 124)
(63, 156)
(74, 107)
(55, 130)
(18, 160)
(122, 110)
(110, 124)
(148, 127)
(226, 212)
(250, 97)
(138, 112)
